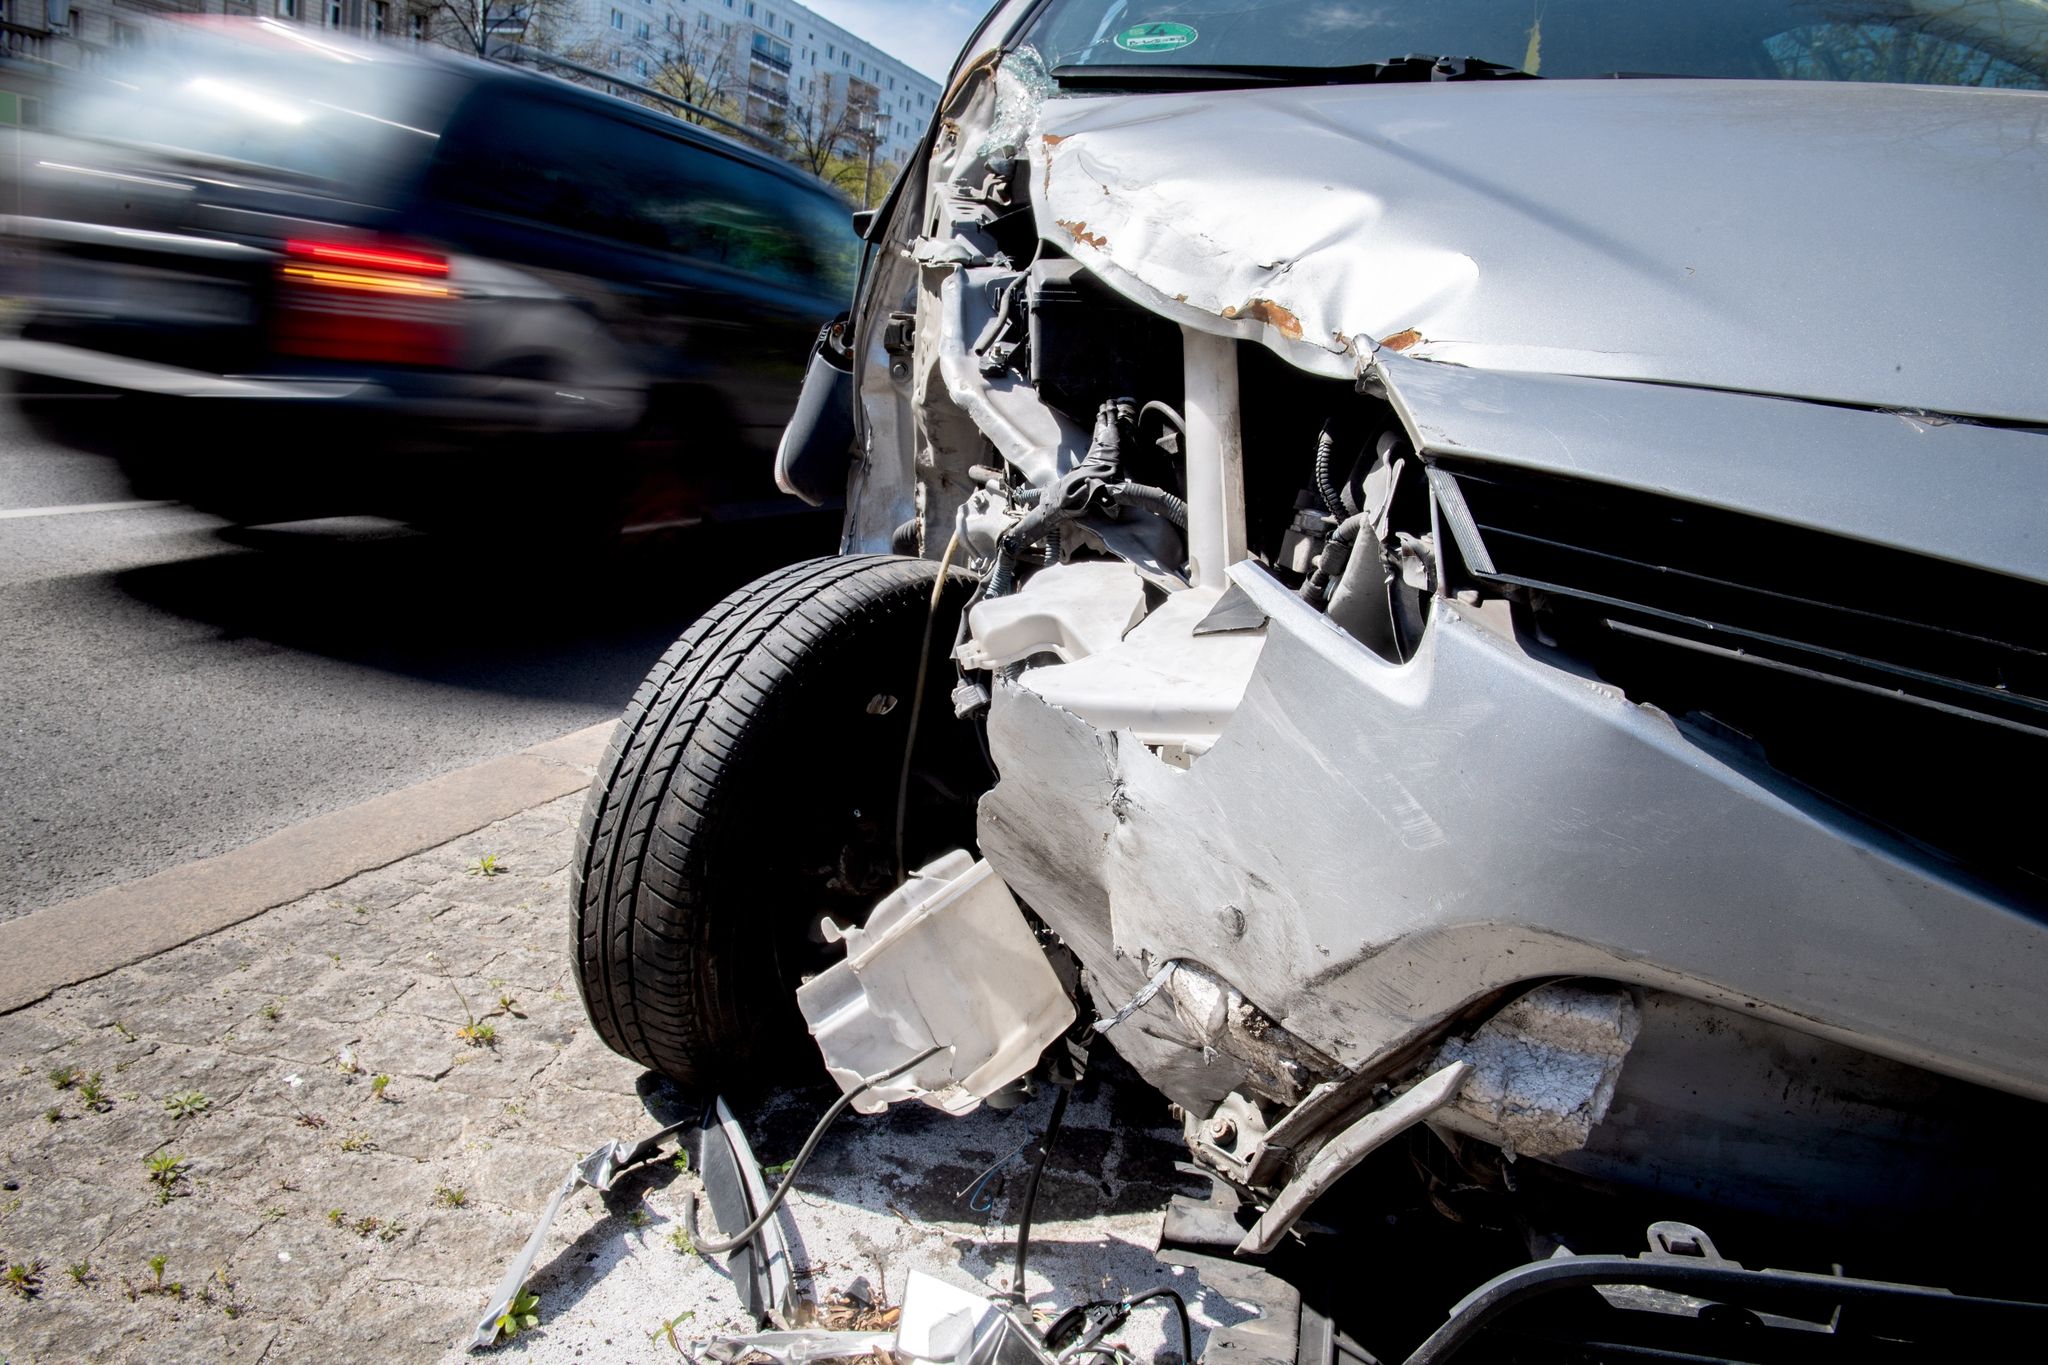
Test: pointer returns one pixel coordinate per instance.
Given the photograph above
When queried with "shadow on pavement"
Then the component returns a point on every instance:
(467, 613)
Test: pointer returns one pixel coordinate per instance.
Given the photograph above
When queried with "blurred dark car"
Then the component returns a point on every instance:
(325, 277)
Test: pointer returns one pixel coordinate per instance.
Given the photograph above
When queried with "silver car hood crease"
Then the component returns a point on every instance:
(1875, 246)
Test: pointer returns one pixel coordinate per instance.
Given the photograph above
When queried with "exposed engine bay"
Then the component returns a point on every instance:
(1375, 786)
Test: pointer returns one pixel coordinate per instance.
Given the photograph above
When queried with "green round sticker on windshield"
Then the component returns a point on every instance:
(1156, 37)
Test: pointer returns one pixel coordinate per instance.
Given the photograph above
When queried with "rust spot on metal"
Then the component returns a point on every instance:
(1271, 313)
(1401, 341)
(1080, 233)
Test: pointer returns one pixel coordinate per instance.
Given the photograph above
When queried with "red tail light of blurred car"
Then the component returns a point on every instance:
(387, 303)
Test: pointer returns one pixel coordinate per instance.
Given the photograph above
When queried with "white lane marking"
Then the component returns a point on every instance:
(76, 508)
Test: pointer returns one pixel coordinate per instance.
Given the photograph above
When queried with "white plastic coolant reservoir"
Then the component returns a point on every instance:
(945, 959)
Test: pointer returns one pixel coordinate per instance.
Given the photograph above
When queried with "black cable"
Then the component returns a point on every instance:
(1119, 1314)
(1180, 1308)
(1326, 483)
(748, 1233)
(1052, 1131)
(924, 659)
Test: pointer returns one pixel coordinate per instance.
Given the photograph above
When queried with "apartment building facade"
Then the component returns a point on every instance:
(776, 61)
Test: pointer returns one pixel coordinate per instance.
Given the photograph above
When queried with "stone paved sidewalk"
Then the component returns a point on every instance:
(307, 1209)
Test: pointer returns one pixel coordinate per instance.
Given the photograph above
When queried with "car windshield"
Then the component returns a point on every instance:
(2001, 43)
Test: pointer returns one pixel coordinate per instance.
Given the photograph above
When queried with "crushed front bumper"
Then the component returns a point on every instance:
(1368, 849)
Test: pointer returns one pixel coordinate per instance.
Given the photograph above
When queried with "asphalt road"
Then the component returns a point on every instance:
(171, 688)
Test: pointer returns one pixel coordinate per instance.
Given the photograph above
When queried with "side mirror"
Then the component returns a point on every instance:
(817, 446)
(864, 222)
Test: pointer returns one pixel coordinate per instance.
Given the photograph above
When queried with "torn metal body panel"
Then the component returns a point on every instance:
(1581, 227)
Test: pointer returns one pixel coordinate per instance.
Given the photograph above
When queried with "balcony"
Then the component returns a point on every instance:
(767, 56)
(23, 43)
(768, 94)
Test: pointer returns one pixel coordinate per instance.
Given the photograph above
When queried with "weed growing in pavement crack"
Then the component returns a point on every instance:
(357, 1141)
(450, 1196)
(272, 1011)
(184, 1104)
(127, 1034)
(668, 1329)
(682, 1163)
(363, 1227)
(638, 1219)
(24, 1278)
(522, 1316)
(680, 1240)
(165, 1170)
(81, 1272)
(64, 1077)
(486, 866)
(477, 1032)
(54, 1114)
(225, 1299)
(157, 1283)
(378, 1084)
(306, 1120)
(334, 1217)
(93, 1095)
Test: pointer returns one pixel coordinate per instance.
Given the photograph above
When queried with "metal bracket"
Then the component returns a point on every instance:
(1347, 1149)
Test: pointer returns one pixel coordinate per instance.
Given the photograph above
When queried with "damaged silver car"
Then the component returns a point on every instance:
(1463, 584)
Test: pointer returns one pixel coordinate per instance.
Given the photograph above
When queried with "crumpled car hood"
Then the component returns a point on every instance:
(1871, 245)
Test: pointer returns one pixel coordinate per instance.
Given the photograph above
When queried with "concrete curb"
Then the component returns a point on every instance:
(93, 935)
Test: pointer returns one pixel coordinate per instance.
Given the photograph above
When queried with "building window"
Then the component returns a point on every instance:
(287, 9)
(618, 20)
(334, 13)
(642, 32)
(379, 11)
(419, 27)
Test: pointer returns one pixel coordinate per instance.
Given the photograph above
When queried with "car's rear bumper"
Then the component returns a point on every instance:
(457, 402)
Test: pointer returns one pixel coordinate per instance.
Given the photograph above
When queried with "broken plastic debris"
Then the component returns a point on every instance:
(948, 959)
(598, 1170)
(799, 1348)
(940, 1322)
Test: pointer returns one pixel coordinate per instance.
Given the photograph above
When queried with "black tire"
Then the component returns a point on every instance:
(749, 791)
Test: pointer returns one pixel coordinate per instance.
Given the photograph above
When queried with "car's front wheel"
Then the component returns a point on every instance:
(749, 793)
